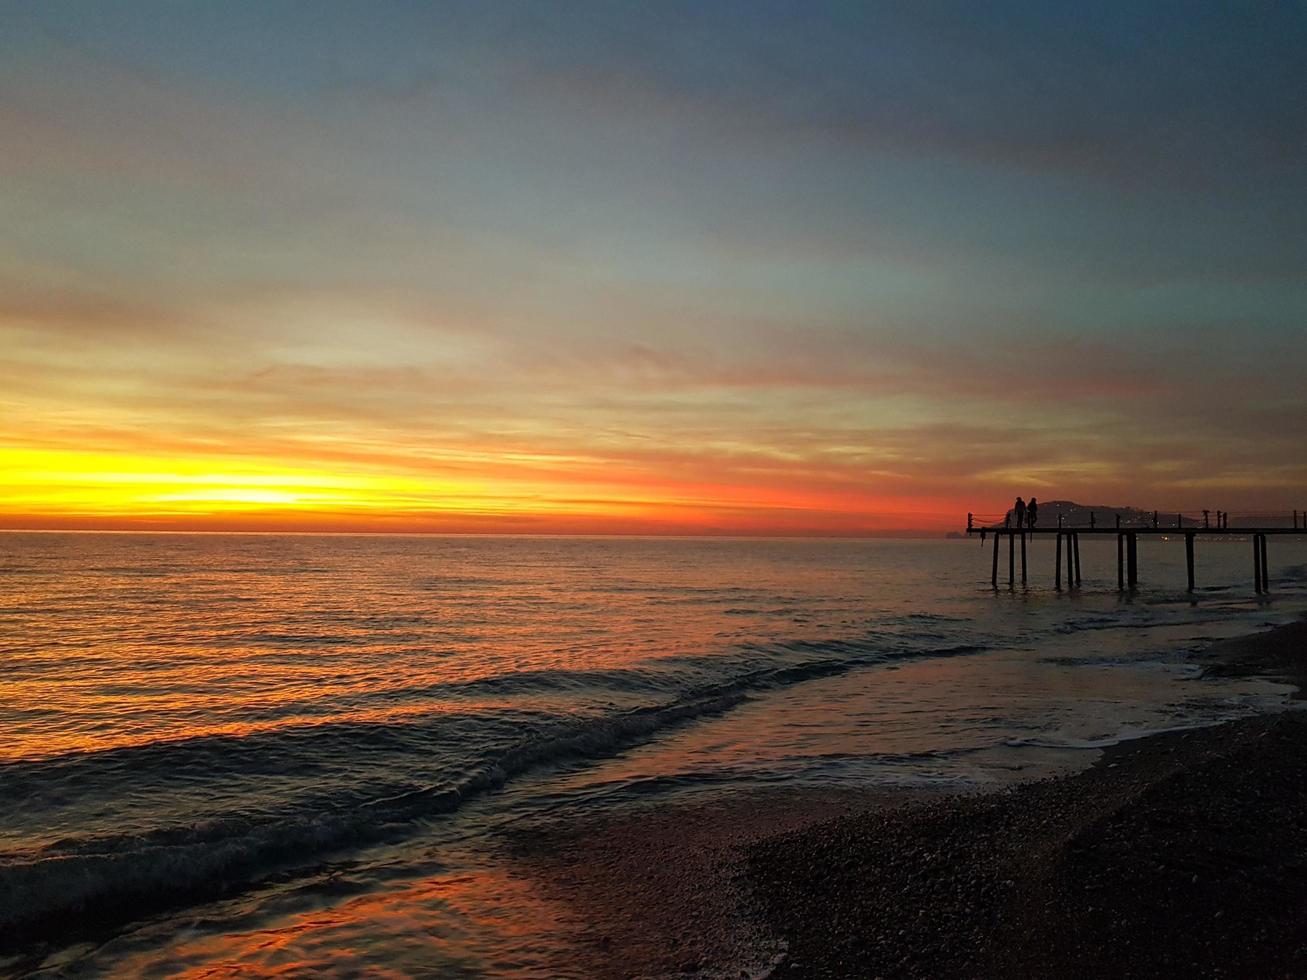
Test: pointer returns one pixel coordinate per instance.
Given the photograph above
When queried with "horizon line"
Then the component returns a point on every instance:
(885, 533)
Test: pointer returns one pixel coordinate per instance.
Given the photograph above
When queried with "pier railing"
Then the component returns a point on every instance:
(1236, 522)
(1256, 525)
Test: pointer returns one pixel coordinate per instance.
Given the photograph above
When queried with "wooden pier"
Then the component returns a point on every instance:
(1127, 544)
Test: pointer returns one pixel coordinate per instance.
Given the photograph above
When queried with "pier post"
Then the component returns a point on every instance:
(1266, 579)
(1011, 560)
(1154, 520)
(1132, 560)
(1189, 557)
(1070, 560)
(1120, 560)
(1077, 540)
(1023, 559)
(994, 577)
(1257, 563)
(1057, 564)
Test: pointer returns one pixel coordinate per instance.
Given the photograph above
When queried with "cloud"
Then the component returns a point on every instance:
(1122, 94)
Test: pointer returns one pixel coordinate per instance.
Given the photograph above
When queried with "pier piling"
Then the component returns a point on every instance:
(1189, 558)
(1213, 523)
(1257, 563)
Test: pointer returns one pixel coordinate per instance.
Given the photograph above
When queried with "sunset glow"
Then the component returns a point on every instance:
(493, 272)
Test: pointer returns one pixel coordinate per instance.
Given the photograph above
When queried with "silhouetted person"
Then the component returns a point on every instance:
(1032, 512)
(1019, 512)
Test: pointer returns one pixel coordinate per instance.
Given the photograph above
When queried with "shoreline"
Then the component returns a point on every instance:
(1182, 853)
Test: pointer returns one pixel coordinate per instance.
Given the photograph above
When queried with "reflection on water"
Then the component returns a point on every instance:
(287, 753)
(447, 923)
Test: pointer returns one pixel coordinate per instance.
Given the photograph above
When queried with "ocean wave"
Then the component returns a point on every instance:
(1140, 621)
(119, 877)
(1106, 741)
(124, 876)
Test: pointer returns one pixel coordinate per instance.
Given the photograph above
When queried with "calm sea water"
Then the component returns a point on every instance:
(294, 754)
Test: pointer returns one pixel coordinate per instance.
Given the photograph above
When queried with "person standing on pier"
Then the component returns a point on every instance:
(1032, 513)
(1019, 512)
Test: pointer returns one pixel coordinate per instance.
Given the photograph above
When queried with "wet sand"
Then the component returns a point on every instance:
(664, 891)
(1182, 854)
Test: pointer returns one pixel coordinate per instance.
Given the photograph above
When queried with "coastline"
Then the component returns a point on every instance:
(1177, 854)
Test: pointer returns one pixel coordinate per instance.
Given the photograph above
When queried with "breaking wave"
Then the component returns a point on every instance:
(109, 878)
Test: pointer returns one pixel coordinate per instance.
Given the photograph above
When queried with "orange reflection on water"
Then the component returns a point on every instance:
(467, 922)
(124, 640)
(63, 743)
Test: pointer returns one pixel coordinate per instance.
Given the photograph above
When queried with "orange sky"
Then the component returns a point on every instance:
(480, 492)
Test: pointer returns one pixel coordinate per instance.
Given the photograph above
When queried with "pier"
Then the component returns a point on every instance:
(1208, 523)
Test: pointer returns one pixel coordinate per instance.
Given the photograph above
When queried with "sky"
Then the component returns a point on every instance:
(743, 268)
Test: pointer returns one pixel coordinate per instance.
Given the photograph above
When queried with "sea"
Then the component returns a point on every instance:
(300, 755)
